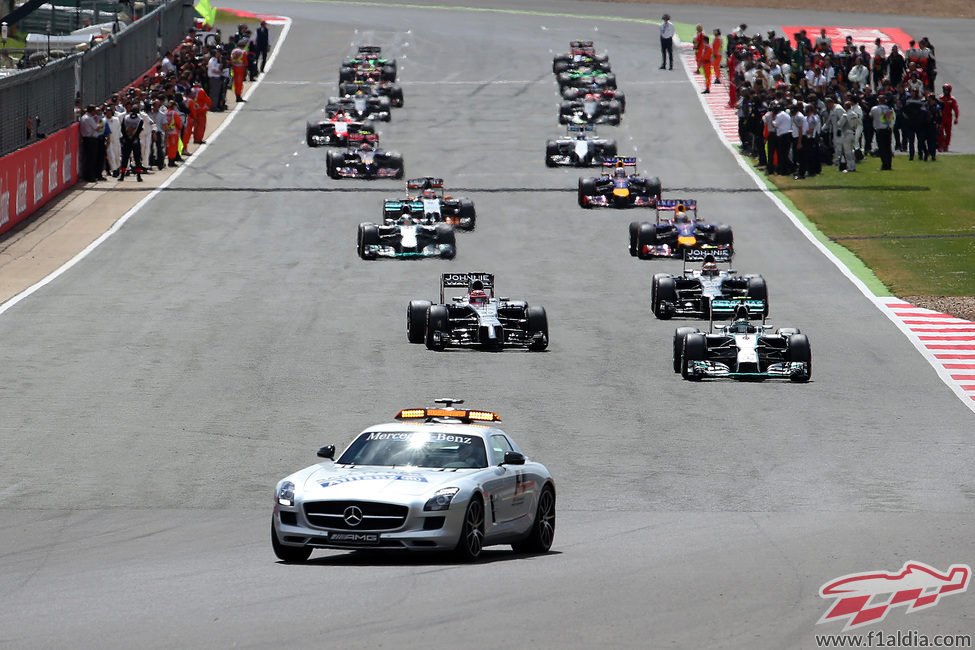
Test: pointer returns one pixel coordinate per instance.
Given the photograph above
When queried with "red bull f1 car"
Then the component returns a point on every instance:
(677, 228)
(476, 319)
(615, 188)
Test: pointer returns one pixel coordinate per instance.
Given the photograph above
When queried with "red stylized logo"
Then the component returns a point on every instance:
(865, 598)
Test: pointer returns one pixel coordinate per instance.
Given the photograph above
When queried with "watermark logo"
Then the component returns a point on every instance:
(865, 598)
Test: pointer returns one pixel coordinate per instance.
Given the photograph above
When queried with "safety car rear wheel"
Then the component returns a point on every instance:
(539, 539)
(416, 320)
(471, 541)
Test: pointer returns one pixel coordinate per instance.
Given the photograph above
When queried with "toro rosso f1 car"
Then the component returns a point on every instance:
(368, 57)
(476, 318)
(436, 479)
(406, 237)
(579, 148)
(365, 161)
(707, 292)
(677, 228)
(426, 199)
(617, 189)
(742, 350)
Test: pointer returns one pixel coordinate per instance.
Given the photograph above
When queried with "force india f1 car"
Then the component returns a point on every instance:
(742, 350)
(368, 57)
(426, 199)
(590, 109)
(671, 235)
(617, 189)
(581, 53)
(437, 479)
(579, 148)
(476, 319)
(406, 237)
(707, 292)
(365, 161)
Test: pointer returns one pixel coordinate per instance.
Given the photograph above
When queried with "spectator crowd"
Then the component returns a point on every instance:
(803, 103)
(152, 123)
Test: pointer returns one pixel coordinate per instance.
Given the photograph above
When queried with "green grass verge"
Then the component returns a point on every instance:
(914, 227)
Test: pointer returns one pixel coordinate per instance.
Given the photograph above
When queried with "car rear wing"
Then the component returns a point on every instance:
(425, 183)
(723, 309)
(720, 253)
(361, 135)
(620, 161)
(579, 44)
(581, 128)
(671, 205)
(466, 280)
(370, 49)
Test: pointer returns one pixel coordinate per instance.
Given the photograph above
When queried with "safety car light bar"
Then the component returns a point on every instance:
(463, 415)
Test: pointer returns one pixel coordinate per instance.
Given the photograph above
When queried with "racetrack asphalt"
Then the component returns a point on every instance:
(155, 393)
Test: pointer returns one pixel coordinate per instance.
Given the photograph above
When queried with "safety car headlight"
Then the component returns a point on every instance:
(286, 493)
(441, 499)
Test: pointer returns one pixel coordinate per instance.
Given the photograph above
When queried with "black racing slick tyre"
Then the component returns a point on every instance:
(396, 97)
(654, 188)
(368, 236)
(609, 151)
(466, 215)
(288, 554)
(695, 349)
(645, 236)
(471, 541)
(758, 290)
(634, 229)
(663, 290)
(679, 335)
(587, 187)
(799, 350)
(447, 235)
(437, 321)
(333, 161)
(542, 534)
(416, 320)
(551, 151)
(537, 321)
(723, 236)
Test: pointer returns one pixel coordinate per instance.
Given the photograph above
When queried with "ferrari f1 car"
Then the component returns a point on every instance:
(707, 292)
(617, 189)
(436, 479)
(590, 109)
(579, 148)
(476, 318)
(742, 350)
(677, 228)
(406, 237)
(585, 77)
(426, 199)
(580, 53)
(371, 84)
(368, 56)
(359, 107)
(338, 131)
(364, 161)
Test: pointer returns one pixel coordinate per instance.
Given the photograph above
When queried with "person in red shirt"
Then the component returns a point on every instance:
(173, 127)
(949, 105)
(191, 110)
(203, 105)
(707, 55)
(238, 65)
(698, 42)
(716, 56)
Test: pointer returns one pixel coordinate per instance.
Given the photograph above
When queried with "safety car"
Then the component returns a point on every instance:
(590, 109)
(677, 227)
(476, 319)
(435, 479)
(426, 198)
(707, 292)
(580, 53)
(580, 147)
(368, 56)
(365, 161)
(408, 236)
(742, 349)
(616, 188)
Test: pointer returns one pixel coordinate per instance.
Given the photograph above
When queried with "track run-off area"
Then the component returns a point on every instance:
(155, 391)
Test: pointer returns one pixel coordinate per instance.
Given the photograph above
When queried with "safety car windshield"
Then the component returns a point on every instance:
(416, 449)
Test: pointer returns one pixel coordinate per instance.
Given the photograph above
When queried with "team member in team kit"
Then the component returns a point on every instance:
(131, 143)
(883, 118)
(949, 107)
(707, 55)
(238, 63)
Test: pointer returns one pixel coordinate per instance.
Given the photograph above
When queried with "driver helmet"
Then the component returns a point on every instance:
(946, 88)
(680, 213)
(710, 267)
(405, 215)
(619, 172)
(365, 146)
(429, 194)
(477, 297)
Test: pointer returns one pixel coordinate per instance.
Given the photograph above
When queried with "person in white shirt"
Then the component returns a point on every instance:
(113, 147)
(859, 74)
(798, 131)
(850, 124)
(215, 80)
(666, 42)
(783, 136)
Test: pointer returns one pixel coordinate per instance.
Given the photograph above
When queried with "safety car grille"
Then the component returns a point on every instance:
(342, 515)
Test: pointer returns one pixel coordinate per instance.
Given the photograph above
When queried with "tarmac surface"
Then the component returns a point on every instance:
(155, 392)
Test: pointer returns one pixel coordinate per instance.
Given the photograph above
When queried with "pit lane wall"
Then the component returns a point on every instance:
(32, 176)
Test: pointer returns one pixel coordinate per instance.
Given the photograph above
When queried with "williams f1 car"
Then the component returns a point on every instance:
(426, 199)
(677, 228)
(581, 53)
(365, 161)
(590, 109)
(476, 318)
(368, 57)
(579, 148)
(708, 292)
(436, 479)
(742, 350)
(617, 189)
(406, 237)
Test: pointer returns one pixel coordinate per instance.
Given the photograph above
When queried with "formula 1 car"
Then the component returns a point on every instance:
(616, 189)
(426, 198)
(585, 77)
(338, 131)
(370, 84)
(669, 236)
(580, 53)
(590, 109)
(476, 319)
(360, 107)
(406, 237)
(707, 292)
(437, 479)
(365, 161)
(600, 93)
(368, 56)
(579, 148)
(742, 350)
